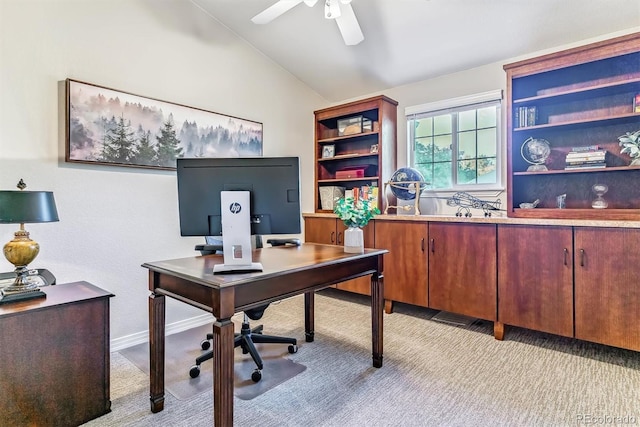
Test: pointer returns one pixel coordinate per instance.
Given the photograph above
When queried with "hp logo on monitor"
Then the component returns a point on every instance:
(235, 208)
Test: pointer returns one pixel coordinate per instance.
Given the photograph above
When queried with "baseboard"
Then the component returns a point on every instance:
(118, 344)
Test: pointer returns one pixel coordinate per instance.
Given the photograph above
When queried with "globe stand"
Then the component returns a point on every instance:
(406, 208)
(537, 168)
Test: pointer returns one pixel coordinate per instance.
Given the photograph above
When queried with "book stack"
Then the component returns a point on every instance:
(526, 116)
(590, 157)
(365, 192)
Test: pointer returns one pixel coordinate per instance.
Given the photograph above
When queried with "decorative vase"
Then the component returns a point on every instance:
(354, 240)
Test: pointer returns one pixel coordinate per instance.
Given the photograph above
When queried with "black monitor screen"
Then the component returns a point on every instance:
(274, 184)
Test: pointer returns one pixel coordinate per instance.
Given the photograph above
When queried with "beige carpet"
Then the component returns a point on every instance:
(183, 348)
(434, 374)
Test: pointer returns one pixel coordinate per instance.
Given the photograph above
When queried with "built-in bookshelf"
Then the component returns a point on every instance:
(355, 148)
(575, 100)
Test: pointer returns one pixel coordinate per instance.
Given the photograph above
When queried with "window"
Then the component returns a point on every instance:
(456, 143)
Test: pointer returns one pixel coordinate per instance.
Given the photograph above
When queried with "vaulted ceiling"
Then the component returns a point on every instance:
(406, 41)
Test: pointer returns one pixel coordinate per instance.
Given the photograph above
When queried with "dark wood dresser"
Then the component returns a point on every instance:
(54, 357)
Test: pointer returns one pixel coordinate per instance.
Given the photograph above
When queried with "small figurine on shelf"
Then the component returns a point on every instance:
(630, 142)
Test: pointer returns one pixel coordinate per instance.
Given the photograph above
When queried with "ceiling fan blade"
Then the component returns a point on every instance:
(349, 27)
(275, 10)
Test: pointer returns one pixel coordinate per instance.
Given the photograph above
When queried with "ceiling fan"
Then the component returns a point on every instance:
(340, 10)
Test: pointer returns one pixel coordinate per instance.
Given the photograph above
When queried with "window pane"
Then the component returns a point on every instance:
(467, 172)
(487, 142)
(467, 120)
(442, 148)
(424, 150)
(442, 175)
(487, 117)
(424, 127)
(487, 171)
(426, 170)
(442, 124)
(467, 145)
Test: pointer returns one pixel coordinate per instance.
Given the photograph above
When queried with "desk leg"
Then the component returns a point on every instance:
(223, 373)
(156, 351)
(377, 309)
(309, 315)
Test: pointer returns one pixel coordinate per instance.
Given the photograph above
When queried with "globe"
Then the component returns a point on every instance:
(536, 152)
(401, 185)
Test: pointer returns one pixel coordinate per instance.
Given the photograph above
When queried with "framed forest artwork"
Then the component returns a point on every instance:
(111, 127)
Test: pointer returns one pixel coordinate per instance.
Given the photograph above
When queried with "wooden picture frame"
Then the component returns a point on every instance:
(328, 151)
(111, 127)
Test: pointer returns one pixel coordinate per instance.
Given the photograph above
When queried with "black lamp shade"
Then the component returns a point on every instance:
(17, 207)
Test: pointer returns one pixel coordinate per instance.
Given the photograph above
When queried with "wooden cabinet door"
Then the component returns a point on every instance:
(321, 230)
(462, 269)
(607, 286)
(361, 285)
(405, 266)
(535, 277)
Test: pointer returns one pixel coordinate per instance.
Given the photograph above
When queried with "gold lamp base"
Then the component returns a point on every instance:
(20, 252)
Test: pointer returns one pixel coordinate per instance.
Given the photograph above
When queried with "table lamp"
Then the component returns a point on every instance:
(20, 207)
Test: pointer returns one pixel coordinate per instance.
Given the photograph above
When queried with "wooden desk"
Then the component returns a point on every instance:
(288, 271)
(54, 357)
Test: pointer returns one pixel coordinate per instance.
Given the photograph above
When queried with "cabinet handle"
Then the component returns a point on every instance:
(581, 257)
(340, 237)
(433, 245)
(422, 244)
(566, 252)
(333, 237)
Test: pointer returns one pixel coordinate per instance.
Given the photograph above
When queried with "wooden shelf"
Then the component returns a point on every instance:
(335, 180)
(592, 121)
(586, 170)
(348, 156)
(596, 214)
(588, 91)
(347, 137)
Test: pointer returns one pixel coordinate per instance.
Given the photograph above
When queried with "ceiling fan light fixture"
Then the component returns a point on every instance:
(310, 3)
(331, 9)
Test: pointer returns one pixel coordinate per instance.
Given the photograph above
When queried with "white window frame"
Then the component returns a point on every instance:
(432, 108)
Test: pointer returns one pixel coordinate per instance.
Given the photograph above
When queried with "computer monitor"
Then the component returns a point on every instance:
(273, 183)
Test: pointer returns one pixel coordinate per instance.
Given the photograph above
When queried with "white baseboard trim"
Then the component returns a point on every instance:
(121, 343)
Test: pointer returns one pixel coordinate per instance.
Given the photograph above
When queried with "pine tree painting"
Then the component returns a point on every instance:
(113, 127)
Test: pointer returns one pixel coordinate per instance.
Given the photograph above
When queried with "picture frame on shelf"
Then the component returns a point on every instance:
(636, 103)
(374, 149)
(106, 126)
(328, 151)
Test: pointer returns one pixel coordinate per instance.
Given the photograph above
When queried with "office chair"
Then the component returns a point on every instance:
(247, 337)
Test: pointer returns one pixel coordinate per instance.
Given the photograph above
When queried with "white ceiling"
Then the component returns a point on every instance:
(407, 41)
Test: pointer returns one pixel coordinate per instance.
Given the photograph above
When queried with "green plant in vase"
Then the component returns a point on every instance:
(354, 215)
(630, 142)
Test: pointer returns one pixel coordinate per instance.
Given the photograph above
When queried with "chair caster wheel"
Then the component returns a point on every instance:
(205, 345)
(194, 371)
(293, 349)
(256, 376)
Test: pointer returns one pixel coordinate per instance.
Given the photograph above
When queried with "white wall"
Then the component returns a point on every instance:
(113, 219)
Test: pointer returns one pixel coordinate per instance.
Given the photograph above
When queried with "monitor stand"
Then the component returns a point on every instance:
(236, 234)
